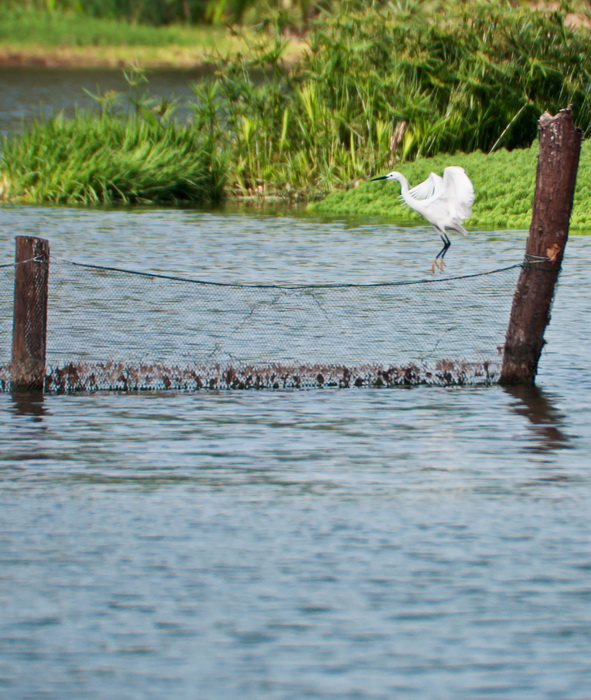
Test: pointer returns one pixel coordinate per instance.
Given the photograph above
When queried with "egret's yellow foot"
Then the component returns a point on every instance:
(439, 264)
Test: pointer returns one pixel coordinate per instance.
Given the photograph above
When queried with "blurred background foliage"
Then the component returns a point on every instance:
(297, 13)
(165, 12)
(385, 82)
(374, 84)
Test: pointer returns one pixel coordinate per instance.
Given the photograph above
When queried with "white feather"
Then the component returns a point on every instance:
(445, 202)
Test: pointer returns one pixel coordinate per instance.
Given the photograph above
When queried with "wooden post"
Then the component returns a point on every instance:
(29, 331)
(558, 159)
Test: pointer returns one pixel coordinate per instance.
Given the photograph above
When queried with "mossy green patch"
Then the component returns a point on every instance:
(504, 182)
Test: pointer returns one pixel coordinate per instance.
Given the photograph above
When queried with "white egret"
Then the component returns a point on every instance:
(443, 201)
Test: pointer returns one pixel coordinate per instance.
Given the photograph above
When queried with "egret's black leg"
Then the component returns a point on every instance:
(446, 245)
(438, 262)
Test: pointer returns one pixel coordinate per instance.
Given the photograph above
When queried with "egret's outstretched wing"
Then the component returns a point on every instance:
(459, 192)
(431, 187)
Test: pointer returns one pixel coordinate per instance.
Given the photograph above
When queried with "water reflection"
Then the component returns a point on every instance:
(545, 421)
(30, 404)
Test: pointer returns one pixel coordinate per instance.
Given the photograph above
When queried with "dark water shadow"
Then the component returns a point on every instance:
(30, 404)
(545, 421)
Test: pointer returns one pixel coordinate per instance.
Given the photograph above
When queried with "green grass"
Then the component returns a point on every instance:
(109, 160)
(504, 182)
(70, 38)
(380, 86)
(69, 29)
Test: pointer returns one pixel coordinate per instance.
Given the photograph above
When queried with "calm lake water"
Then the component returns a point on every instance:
(29, 93)
(425, 542)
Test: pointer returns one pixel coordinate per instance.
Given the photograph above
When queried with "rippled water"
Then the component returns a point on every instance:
(351, 544)
(421, 542)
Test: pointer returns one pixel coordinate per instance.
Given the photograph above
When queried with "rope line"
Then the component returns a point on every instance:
(534, 262)
(234, 285)
(537, 258)
(37, 258)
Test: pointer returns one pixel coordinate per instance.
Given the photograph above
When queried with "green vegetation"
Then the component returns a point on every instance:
(504, 182)
(159, 12)
(21, 26)
(380, 86)
(108, 160)
(294, 13)
(76, 39)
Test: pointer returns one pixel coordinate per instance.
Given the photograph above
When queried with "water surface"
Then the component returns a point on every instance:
(29, 93)
(349, 544)
(426, 542)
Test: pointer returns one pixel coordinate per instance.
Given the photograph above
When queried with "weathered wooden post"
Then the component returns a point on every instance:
(558, 159)
(29, 330)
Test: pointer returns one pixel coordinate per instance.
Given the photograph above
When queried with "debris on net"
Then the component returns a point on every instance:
(119, 330)
(119, 376)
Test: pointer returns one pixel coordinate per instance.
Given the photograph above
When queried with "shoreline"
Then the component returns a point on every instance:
(101, 57)
(122, 56)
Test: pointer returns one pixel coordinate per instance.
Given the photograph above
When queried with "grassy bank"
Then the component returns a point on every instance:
(29, 37)
(378, 87)
(504, 183)
(107, 160)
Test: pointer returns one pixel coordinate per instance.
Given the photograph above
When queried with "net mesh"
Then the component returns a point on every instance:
(113, 329)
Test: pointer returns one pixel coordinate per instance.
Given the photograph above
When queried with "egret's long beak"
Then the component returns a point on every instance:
(384, 177)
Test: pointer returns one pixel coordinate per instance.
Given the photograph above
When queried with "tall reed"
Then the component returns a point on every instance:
(383, 83)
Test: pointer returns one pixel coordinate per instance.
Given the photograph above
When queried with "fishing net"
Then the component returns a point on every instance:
(114, 329)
